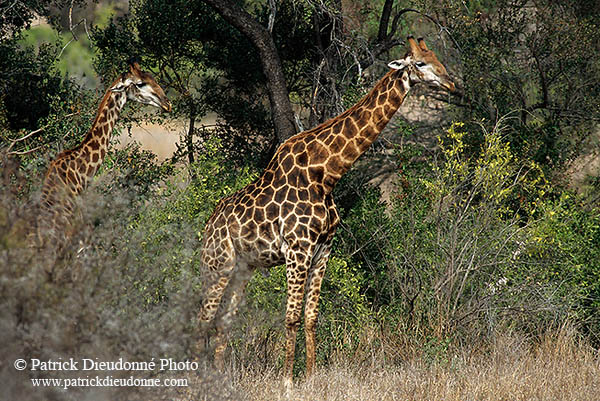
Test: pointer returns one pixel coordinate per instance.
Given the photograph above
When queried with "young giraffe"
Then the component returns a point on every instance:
(70, 172)
(288, 215)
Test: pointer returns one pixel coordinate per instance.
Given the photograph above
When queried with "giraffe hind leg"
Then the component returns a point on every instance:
(218, 271)
(208, 319)
(212, 299)
(228, 281)
(223, 321)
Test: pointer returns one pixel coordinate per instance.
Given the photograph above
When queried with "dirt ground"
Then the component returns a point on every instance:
(159, 139)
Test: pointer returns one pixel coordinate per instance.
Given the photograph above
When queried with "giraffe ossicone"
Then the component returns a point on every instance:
(288, 214)
(70, 172)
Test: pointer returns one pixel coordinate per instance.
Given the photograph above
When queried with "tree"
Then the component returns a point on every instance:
(536, 60)
(283, 116)
(28, 77)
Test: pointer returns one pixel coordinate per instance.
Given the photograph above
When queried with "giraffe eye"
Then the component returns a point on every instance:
(420, 64)
(140, 85)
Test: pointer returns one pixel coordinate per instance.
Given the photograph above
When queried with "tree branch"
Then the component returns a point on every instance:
(385, 40)
(72, 29)
(543, 82)
(272, 14)
(29, 135)
(384, 21)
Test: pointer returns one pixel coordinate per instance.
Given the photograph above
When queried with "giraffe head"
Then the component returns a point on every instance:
(423, 66)
(140, 86)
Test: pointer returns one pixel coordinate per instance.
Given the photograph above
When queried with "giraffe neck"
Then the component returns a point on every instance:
(69, 173)
(373, 112)
(95, 143)
(353, 132)
(71, 170)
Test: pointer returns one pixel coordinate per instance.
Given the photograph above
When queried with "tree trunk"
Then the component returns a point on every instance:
(281, 108)
(189, 142)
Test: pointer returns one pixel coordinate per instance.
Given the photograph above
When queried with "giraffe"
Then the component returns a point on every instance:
(288, 214)
(70, 172)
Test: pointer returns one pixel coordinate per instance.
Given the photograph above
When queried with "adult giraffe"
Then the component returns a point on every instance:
(69, 173)
(288, 215)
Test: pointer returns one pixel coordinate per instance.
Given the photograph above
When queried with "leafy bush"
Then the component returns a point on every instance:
(177, 214)
(80, 301)
(472, 245)
(136, 170)
(565, 240)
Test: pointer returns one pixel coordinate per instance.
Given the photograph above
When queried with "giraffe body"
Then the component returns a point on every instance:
(70, 172)
(288, 214)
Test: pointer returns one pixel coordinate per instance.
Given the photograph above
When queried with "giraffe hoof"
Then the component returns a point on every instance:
(288, 385)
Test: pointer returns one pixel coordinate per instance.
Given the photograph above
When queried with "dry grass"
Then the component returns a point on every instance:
(558, 368)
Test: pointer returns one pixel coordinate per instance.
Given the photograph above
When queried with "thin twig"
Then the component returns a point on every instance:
(272, 14)
(25, 137)
(29, 135)
(25, 151)
(72, 29)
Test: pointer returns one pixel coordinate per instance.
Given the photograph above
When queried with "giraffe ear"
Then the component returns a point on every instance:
(122, 84)
(134, 68)
(398, 64)
(120, 87)
(414, 47)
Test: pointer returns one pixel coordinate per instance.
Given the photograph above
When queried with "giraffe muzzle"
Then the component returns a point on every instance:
(448, 84)
(166, 105)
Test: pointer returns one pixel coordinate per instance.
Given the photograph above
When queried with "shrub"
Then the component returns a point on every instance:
(81, 301)
(125, 285)
(565, 240)
(473, 244)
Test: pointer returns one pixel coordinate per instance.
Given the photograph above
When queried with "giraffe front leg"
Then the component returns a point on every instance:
(297, 269)
(311, 310)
